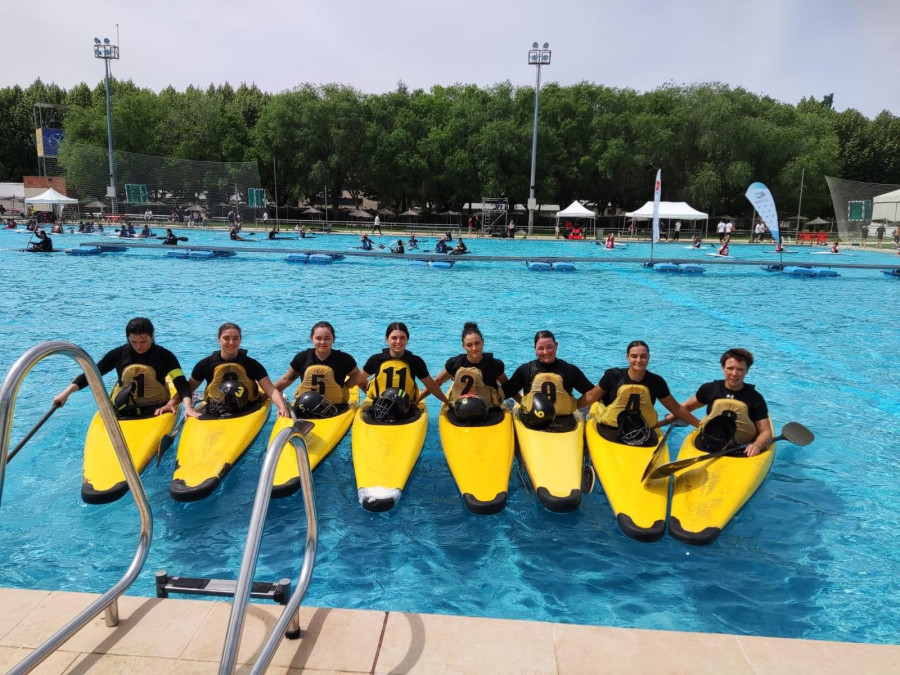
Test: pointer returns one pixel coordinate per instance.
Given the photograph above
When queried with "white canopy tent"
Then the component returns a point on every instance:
(886, 207)
(56, 201)
(670, 211)
(577, 210)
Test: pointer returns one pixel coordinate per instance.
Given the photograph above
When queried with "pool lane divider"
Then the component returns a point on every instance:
(233, 250)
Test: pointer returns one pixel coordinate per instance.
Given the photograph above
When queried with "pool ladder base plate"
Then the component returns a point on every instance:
(278, 592)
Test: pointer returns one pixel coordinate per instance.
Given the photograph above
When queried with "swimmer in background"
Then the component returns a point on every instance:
(834, 247)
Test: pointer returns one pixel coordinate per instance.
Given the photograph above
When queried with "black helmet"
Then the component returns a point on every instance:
(470, 408)
(313, 404)
(633, 428)
(542, 412)
(234, 395)
(393, 404)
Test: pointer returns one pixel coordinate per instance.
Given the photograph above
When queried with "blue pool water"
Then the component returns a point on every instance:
(815, 554)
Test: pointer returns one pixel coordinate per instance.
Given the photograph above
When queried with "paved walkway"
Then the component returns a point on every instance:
(186, 636)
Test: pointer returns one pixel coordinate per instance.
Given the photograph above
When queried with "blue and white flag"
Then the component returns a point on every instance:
(657, 193)
(762, 201)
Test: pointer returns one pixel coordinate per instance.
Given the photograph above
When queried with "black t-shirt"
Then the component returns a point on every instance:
(571, 375)
(159, 358)
(615, 377)
(709, 392)
(416, 365)
(206, 366)
(341, 363)
(490, 367)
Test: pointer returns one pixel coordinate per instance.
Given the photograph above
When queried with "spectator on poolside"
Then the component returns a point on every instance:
(377, 224)
(471, 222)
(720, 230)
(729, 228)
(511, 228)
(677, 236)
(879, 234)
(897, 237)
(148, 214)
(864, 233)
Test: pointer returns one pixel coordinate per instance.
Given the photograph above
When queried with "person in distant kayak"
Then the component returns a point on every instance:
(441, 246)
(170, 239)
(610, 241)
(460, 249)
(549, 380)
(366, 242)
(233, 379)
(326, 376)
(394, 371)
(635, 391)
(697, 242)
(474, 373)
(144, 371)
(736, 413)
(834, 247)
(723, 249)
(43, 244)
(398, 247)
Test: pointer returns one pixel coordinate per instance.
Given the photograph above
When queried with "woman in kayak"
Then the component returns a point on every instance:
(326, 376)
(551, 379)
(733, 399)
(233, 379)
(474, 373)
(637, 389)
(723, 250)
(143, 369)
(394, 371)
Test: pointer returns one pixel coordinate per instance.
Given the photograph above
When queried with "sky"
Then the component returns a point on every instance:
(787, 49)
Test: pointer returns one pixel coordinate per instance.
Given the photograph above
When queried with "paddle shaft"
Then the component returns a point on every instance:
(658, 450)
(32, 432)
(672, 467)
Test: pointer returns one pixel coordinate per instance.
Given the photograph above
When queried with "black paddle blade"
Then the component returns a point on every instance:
(796, 433)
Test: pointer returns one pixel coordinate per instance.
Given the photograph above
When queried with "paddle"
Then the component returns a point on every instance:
(166, 441)
(675, 423)
(32, 432)
(793, 432)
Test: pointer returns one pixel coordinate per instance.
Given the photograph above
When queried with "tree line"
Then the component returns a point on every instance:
(442, 148)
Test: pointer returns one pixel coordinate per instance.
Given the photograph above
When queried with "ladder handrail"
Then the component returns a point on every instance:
(251, 552)
(8, 392)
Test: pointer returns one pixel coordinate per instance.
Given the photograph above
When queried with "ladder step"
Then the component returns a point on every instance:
(260, 590)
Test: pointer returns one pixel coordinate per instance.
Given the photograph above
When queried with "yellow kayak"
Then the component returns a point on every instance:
(384, 455)
(640, 508)
(102, 478)
(320, 441)
(209, 447)
(553, 458)
(706, 497)
(480, 458)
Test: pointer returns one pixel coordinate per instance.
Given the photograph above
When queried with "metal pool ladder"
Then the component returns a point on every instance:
(288, 624)
(8, 392)
(289, 621)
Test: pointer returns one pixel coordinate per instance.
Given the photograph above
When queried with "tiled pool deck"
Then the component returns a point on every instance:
(186, 636)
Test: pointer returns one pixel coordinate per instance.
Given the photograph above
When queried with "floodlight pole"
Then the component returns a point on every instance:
(108, 52)
(536, 57)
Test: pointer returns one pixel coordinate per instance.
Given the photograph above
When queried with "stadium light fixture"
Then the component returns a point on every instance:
(537, 56)
(108, 52)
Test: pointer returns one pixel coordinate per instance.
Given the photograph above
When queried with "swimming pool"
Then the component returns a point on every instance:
(815, 554)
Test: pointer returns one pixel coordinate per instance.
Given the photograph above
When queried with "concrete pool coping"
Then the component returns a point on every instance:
(186, 636)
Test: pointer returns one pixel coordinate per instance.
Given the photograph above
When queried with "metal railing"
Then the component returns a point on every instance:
(8, 392)
(288, 622)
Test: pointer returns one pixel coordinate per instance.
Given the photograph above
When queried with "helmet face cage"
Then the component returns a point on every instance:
(313, 404)
(393, 404)
(633, 428)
